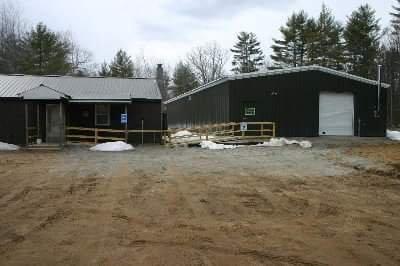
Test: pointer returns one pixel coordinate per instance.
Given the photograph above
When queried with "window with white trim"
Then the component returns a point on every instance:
(102, 117)
(249, 109)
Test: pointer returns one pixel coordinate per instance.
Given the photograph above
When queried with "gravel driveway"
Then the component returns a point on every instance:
(335, 204)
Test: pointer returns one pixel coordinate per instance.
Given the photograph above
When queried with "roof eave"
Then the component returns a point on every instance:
(277, 72)
(100, 101)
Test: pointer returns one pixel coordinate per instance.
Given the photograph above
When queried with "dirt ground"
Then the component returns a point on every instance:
(335, 204)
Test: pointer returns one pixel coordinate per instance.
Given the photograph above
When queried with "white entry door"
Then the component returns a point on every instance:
(53, 123)
(336, 114)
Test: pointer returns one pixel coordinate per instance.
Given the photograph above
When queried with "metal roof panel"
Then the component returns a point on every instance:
(82, 88)
(277, 72)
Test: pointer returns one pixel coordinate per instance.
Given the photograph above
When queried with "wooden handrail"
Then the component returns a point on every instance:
(212, 132)
(221, 131)
(96, 134)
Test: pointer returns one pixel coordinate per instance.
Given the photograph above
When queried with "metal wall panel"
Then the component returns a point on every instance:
(12, 122)
(209, 106)
(292, 101)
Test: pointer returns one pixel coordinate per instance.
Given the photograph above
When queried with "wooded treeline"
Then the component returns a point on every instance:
(357, 46)
(39, 50)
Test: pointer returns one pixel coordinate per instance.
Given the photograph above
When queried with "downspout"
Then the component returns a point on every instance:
(378, 108)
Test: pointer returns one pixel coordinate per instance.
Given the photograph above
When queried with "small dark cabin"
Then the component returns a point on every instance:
(50, 104)
(303, 102)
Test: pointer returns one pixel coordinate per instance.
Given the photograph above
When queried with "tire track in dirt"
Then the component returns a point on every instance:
(200, 210)
(261, 256)
(124, 192)
(47, 203)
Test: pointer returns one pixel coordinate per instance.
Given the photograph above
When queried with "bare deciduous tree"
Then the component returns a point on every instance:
(208, 62)
(12, 29)
(142, 67)
(80, 58)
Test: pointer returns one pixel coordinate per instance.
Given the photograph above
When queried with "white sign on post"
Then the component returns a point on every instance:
(124, 118)
(243, 126)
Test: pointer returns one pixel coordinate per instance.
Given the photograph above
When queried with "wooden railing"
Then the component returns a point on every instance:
(96, 135)
(215, 132)
(221, 132)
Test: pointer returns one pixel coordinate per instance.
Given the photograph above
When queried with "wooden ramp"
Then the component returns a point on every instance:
(220, 133)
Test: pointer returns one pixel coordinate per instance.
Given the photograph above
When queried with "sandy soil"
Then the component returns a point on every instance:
(336, 204)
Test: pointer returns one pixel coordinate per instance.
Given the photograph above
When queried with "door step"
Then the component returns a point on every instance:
(44, 147)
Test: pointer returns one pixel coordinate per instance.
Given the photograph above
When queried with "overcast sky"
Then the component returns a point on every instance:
(168, 29)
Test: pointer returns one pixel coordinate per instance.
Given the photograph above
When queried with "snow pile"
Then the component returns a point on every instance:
(112, 146)
(182, 133)
(8, 147)
(393, 135)
(279, 142)
(274, 142)
(214, 146)
(185, 136)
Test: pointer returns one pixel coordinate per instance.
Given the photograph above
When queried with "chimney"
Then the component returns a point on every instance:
(160, 77)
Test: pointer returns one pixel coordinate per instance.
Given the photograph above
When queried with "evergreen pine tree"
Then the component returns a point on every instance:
(291, 50)
(312, 42)
(390, 59)
(328, 41)
(362, 35)
(104, 70)
(45, 52)
(394, 38)
(184, 79)
(122, 65)
(396, 17)
(248, 56)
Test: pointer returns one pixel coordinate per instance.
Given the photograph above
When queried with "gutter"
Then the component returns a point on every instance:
(100, 101)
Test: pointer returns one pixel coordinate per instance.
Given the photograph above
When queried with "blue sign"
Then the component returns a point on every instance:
(124, 118)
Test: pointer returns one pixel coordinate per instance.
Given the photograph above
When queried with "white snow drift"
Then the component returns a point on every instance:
(8, 147)
(393, 135)
(206, 144)
(279, 142)
(182, 133)
(187, 136)
(274, 142)
(113, 146)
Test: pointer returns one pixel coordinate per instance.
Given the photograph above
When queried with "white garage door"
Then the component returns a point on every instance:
(336, 114)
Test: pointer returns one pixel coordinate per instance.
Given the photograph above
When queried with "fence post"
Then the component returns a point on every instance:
(126, 123)
(273, 129)
(95, 135)
(262, 130)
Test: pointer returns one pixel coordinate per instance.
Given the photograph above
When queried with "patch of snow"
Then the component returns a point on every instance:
(113, 146)
(187, 136)
(206, 144)
(393, 135)
(279, 142)
(8, 147)
(305, 144)
(182, 133)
